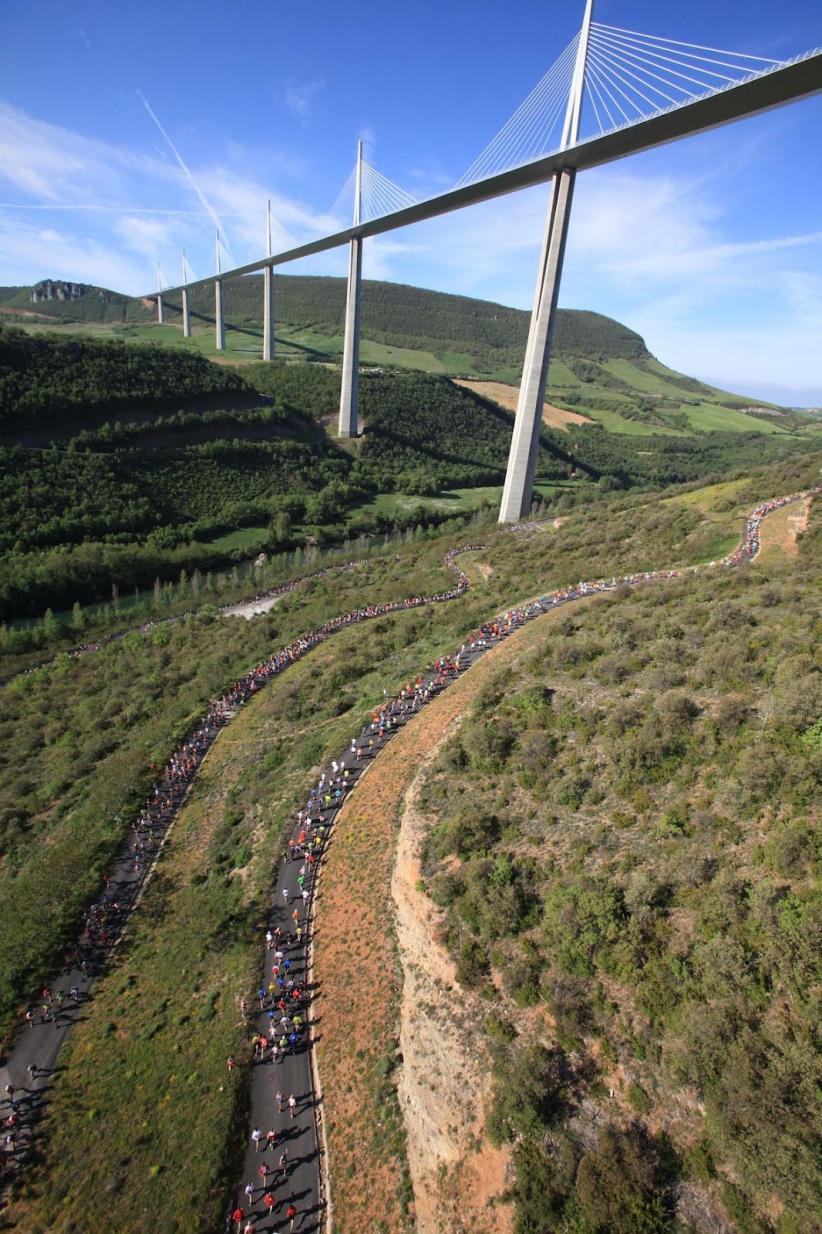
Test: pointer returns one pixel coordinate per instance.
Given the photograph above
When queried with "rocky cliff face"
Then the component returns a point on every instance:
(56, 289)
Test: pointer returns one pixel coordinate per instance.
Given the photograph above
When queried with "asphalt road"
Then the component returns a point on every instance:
(299, 1183)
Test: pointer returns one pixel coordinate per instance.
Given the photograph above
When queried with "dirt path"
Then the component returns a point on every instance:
(359, 1047)
(250, 608)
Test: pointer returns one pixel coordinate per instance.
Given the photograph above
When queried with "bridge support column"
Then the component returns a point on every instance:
(186, 315)
(159, 310)
(219, 327)
(522, 459)
(268, 313)
(350, 391)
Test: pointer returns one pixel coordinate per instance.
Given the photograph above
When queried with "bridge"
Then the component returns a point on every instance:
(641, 91)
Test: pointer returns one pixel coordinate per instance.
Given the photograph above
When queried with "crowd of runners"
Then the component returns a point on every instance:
(279, 1176)
(749, 545)
(280, 1014)
(83, 649)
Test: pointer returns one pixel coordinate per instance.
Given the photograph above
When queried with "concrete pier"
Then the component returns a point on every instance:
(219, 326)
(519, 478)
(350, 387)
(159, 309)
(184, 296)
(268, 294)
(522, 458)
(268, 313)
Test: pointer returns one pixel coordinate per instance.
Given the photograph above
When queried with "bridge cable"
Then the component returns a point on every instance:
(527, 133)
(381, 196)
(641, 74)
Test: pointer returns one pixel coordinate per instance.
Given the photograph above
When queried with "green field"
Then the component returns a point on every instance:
(614, 423)
(455, 501)
(242, 346)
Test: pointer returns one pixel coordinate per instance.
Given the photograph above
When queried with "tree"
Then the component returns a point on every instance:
(528, 1093)
(622, 1184)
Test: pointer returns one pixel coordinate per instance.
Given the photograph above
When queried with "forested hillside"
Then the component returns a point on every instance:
(621, 835)
(44, 380)
(408, 317)
(124, 464)
(598, 365)
(89, 303)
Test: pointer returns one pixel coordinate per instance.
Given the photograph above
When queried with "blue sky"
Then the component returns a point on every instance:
(711, 248)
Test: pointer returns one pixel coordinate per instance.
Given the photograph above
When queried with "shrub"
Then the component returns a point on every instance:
(623, 1183)
(529, 1093)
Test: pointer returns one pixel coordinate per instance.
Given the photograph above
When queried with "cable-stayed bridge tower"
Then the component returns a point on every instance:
(268, 295)
(219, 323)
(640, 91)
(522, 458)
(350, 389)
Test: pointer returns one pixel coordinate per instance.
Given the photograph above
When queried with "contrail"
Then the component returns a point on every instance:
(206, 204)
(96, 205)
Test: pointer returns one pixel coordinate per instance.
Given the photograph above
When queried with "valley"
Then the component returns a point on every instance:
(569, 891)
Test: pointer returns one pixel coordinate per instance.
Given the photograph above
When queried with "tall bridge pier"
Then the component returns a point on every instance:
(184, 297)
(522, 458)
(268, 297)
(219, 325)
(350, 387)
(671, 90)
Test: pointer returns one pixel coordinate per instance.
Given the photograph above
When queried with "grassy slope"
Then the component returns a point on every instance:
(428, 331)
(664, 860)
(152, 992)
(241, 349)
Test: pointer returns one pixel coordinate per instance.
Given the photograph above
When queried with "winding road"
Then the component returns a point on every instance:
(302, 1180)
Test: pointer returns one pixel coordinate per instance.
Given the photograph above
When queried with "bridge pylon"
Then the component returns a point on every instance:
(522, 457)
(268, 296)
(159, 297)
(350, 386)
(184, 296)
(219, 324)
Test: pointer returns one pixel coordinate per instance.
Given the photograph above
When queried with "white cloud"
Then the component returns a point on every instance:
(145, 235)
(123, 191)
(29, 253)
(741, 312)
(658, 251)
(300, 96)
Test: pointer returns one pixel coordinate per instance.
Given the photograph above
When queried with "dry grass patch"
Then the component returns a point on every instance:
(506, 396)
(359, 975)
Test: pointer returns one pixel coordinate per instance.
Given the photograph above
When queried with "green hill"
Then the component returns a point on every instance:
(120, 464)
(392, 313)
(600, 367)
